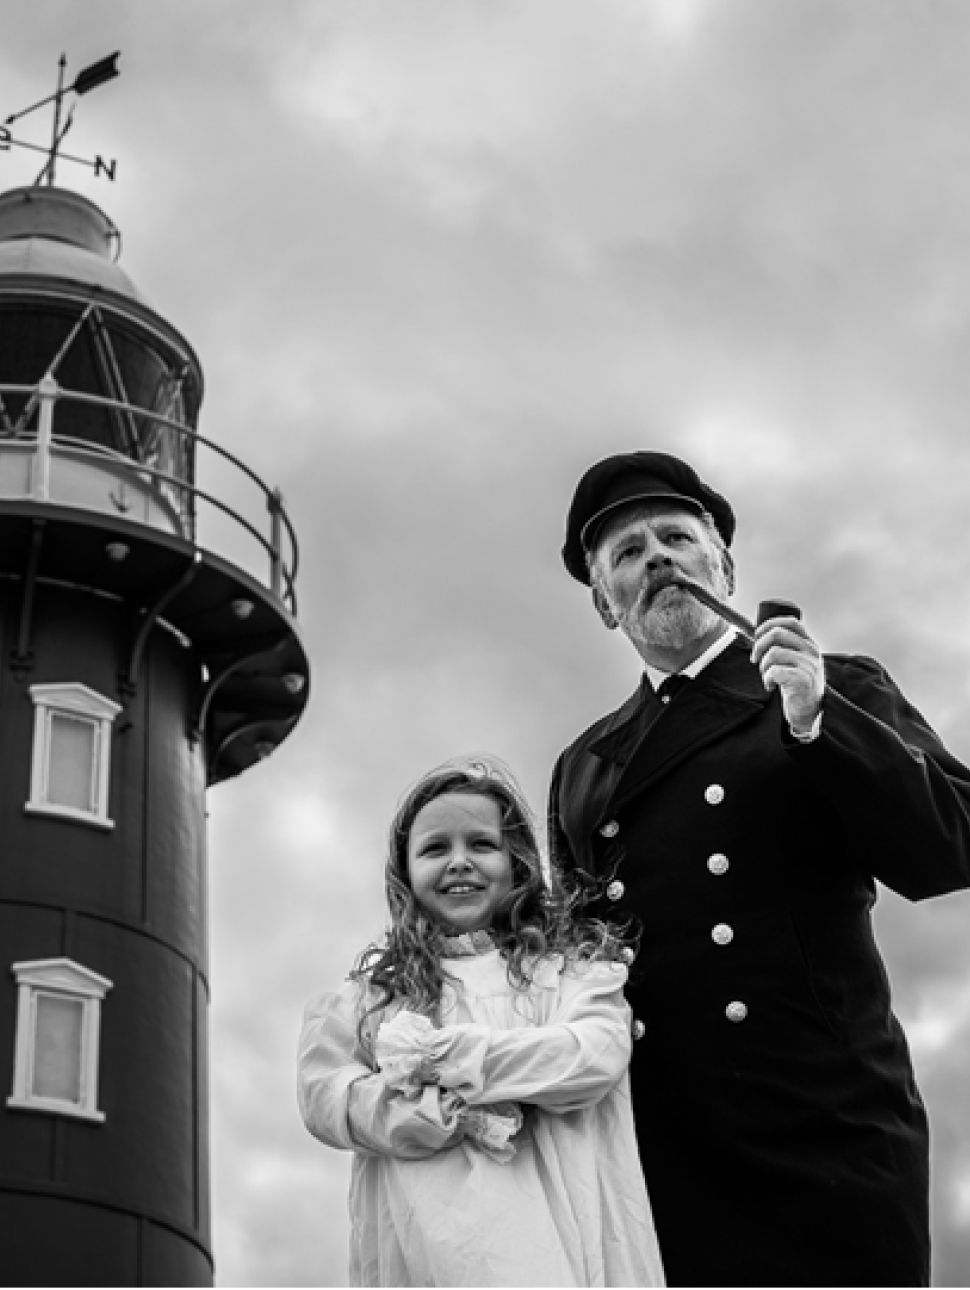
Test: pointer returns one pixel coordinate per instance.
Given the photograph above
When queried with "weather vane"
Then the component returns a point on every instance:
(87, 79)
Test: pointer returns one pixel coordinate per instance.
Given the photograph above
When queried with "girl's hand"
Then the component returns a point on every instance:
(404, 1054)
(492, 1127)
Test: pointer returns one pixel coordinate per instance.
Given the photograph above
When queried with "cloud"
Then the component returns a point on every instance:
(436, 259)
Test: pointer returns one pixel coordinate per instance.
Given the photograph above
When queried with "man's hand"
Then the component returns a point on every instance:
(791, 662)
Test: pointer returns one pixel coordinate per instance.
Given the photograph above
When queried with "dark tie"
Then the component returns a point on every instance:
(671, 686)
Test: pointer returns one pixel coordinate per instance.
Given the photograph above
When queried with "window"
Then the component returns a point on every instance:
(72, 752)
(58, 1032)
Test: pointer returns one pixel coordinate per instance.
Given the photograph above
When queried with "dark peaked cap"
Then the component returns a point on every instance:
(631, 477)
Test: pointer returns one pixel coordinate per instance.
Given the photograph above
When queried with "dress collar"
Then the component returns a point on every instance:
(466, 944)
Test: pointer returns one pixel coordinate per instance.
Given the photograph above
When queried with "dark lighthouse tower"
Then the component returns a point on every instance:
(138, 665)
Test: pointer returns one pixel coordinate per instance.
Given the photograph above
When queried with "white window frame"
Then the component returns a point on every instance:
(71, 699)
(64, 979)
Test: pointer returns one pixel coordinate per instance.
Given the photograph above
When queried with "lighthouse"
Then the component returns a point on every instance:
(141, 661)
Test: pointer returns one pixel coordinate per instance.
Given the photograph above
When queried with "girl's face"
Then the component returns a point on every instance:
(458, 862)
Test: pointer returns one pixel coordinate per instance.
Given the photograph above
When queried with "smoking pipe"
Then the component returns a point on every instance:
(767, 609)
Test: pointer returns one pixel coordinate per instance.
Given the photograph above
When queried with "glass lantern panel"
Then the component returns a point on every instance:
(57, 1048)
(72, 769)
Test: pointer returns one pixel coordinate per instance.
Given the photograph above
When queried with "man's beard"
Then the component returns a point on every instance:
(671, 620)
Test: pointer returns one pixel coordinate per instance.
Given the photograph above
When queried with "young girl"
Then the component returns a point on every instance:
(476, 1064)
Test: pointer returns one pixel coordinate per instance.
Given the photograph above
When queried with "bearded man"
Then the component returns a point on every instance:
(742, 816)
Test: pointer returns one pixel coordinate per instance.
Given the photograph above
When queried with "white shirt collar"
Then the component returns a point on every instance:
(656, 674)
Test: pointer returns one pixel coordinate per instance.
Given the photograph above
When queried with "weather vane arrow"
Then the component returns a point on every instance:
(89, 78)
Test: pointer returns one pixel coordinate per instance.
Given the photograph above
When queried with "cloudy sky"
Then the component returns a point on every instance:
(437, 257)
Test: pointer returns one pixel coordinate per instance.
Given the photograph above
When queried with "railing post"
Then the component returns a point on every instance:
(47, 392)
(274, 500)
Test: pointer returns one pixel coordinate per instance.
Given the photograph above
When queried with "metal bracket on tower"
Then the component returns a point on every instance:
(22, 657)
(128, 684)
(216, 681)
(230, 737)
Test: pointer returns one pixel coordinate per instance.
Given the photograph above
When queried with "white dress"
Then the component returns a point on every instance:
(427, 1205)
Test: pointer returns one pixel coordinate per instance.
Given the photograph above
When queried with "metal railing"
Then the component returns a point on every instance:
(278, 542)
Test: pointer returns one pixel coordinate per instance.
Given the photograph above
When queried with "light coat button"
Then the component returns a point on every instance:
(610, 829)
(736, 1011)
(718, 863)
(615, 890)
(714, 794)
(722, 934)
(638, 1029)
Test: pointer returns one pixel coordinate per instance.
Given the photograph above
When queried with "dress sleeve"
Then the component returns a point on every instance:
(573, 1060)
(903, 797)
(347, 1105)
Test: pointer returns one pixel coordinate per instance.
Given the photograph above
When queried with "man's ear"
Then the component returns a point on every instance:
(727, 563)
(604, 610)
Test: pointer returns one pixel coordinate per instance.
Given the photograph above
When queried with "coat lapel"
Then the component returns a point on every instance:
(628, 725)
(728, 692)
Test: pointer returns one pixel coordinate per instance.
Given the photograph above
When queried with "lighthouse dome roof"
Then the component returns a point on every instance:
(56, 233)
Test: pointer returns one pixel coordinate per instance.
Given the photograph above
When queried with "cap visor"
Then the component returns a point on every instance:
(590, 529)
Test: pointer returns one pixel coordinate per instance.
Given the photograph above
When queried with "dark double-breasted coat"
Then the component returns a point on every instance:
(782, 1134)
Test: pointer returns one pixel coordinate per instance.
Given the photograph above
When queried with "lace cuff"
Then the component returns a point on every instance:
(405, 1054)
(491, 1128)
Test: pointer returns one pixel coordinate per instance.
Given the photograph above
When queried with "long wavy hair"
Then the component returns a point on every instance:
(538, 917)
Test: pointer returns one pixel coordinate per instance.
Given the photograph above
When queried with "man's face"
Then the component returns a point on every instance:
(638, 553)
